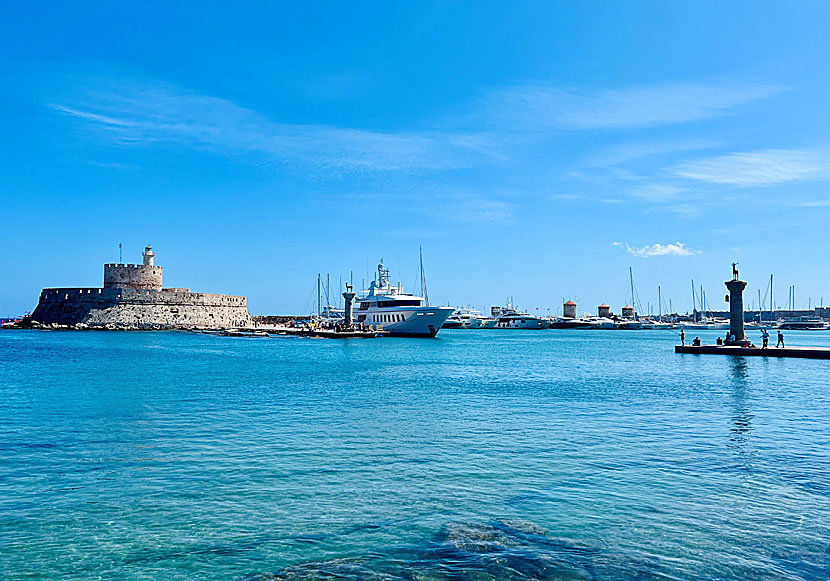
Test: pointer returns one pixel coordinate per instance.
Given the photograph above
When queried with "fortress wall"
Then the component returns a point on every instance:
(139, 308)
(139, 276)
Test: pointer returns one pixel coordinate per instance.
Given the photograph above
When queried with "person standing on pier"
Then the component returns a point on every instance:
(780, 339)
(765, 337)
(682, 337)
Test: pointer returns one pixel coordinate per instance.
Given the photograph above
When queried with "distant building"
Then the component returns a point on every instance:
(628, 312)
(569, 310)
(604, 311)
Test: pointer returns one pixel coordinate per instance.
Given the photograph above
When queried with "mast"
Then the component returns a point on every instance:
(318, 294)
(771, 304)
(694, 306)
(760, 307)
(659, 304)
(631, 281)
(424, 291)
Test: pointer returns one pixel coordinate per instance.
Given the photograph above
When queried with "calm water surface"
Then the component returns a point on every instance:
(476, 455)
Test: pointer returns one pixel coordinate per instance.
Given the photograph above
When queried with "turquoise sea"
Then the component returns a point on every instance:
(476, 455)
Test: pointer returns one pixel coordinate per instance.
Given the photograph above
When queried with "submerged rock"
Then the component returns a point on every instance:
(508, 549)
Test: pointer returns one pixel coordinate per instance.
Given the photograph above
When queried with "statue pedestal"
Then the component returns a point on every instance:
(736, 312)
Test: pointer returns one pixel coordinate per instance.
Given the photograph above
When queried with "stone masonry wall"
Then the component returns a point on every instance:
(140, 308)
(138, 276)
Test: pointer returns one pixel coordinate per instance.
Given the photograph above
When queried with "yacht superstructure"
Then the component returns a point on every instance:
(510, 318)
(389, 308)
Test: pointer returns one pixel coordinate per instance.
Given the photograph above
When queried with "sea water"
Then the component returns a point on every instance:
(477, 455)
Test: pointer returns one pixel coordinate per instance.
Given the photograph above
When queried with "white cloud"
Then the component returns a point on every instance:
(470, 207)
(130, 114)
(759, 168)
(544, 106)
(657, 193)
(649, 250)
(625, 152)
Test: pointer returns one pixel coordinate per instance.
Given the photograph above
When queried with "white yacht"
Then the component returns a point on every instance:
(388, 308)
(487, 323)
(510, 318)
(601, 322)
(468, 319)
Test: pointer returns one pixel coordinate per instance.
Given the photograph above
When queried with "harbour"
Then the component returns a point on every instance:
(474, 453)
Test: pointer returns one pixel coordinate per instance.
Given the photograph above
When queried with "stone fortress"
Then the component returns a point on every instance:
(133, 297)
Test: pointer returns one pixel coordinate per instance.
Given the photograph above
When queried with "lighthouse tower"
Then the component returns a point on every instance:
(145, 276)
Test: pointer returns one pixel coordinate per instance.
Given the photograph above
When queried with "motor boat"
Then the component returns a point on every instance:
(389, 308)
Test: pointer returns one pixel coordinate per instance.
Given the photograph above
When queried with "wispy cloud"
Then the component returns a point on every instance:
(132, 114)
(626, 152)
(814, 204)
(650, 250)
(474, 208)
(545, 106)
(759, 168)
(657, 192)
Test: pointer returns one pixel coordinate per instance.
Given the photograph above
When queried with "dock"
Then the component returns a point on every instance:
(328, 333)
(317, 332)
(736, 343)
(735, 350)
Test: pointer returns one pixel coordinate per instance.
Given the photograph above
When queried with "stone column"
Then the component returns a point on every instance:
(736, 309)
(348, 297)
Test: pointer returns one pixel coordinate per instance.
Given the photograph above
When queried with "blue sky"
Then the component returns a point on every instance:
(534, 150)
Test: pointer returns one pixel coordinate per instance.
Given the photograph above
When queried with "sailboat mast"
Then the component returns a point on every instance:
(318, 294)
(771, 304)
(694, 306)
(760, 307)
(631, 281)
(659, 304)
(424, 291)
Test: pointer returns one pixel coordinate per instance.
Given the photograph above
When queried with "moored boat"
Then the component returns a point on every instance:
(510, 318)
(389, 308)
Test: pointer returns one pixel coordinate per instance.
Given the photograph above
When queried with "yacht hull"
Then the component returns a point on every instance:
(406, 321)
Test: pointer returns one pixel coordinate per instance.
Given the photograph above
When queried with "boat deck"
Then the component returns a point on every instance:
(800, 352)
